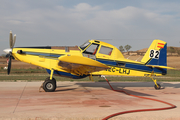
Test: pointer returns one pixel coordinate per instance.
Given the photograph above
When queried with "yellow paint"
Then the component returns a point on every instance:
(41, 59)
(82, 60)
(52, 71)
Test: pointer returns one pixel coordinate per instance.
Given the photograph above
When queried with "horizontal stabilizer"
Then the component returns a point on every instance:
(156, 66)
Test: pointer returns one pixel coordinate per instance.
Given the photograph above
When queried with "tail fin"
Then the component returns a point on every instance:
(156, 54)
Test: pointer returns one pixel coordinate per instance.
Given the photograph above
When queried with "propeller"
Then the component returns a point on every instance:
(12, 40)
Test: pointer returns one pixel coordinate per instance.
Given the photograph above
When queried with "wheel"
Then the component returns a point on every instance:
(53, 79)
(157, 88)
(49, 85)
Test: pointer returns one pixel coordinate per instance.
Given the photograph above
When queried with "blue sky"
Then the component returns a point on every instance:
(72, 22)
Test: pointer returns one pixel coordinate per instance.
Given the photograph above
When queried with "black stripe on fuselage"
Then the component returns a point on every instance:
(47, 55)
(37, 47)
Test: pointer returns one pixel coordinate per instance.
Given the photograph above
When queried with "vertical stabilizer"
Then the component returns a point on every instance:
(156, 54)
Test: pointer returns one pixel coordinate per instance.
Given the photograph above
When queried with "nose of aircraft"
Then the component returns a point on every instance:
(7, 50)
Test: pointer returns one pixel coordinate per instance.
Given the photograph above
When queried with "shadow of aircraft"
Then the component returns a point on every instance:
(121, 86)
(115, 85)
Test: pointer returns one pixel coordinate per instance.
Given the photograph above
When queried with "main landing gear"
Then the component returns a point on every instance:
(49, 85)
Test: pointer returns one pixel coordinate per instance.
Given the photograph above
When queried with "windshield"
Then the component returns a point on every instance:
(92, 49)
(83, 46)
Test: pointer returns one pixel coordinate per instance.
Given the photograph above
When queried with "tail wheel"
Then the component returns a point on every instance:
(157, 87)
(49, 85)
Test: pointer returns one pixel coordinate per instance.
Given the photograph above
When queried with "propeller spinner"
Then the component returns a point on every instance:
(12, 40)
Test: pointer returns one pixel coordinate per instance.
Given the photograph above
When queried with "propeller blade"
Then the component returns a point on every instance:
(9, 65)
(11, 39)
(14, 40)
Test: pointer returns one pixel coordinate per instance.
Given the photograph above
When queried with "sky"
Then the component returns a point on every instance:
(73, 22)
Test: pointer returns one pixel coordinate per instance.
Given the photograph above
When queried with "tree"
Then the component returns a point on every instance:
(172, 50)
(127, 47)
(121, 48)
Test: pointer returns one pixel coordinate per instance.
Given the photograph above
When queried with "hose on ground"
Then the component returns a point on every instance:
(140, 110)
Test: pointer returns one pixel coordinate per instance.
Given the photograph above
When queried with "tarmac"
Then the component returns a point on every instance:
(87, 101)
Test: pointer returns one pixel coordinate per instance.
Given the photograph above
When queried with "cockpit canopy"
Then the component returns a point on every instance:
(98, 49)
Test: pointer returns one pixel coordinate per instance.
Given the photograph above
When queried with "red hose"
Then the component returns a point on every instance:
(140, 110)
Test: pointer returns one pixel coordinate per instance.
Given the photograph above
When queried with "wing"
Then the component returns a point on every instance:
(80, 65)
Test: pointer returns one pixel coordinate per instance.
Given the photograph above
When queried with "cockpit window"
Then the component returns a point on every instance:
(83, 46)
(105, 50)
(92, 49)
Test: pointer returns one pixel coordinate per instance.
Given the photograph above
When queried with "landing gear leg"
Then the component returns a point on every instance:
(49, 85)
(90, 77)
(156, 86)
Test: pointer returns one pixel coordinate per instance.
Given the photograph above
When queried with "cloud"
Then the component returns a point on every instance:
(55, 23)
(86, 16)
(83, 7)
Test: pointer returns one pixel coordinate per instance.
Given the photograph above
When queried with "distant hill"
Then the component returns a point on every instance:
(142, 50)
(174, 51)
(170, 49)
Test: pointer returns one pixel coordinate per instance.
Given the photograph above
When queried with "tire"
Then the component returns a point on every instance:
(53, 79)
(49, 86)
(157, 88)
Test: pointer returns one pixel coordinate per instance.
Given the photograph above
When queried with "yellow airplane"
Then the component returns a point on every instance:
(92, 58)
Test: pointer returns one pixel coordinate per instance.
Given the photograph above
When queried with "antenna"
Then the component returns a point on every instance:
(104, 39)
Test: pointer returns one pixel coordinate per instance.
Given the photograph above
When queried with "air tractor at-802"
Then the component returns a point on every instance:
(92, 58)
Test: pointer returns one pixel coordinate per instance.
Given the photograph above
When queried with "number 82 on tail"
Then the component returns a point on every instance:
(154, 54)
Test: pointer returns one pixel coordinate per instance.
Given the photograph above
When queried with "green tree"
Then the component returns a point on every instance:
(127, 47)
(172, 50)
(121, 48)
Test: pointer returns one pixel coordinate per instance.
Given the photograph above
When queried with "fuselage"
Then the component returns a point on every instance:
(47, 57)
